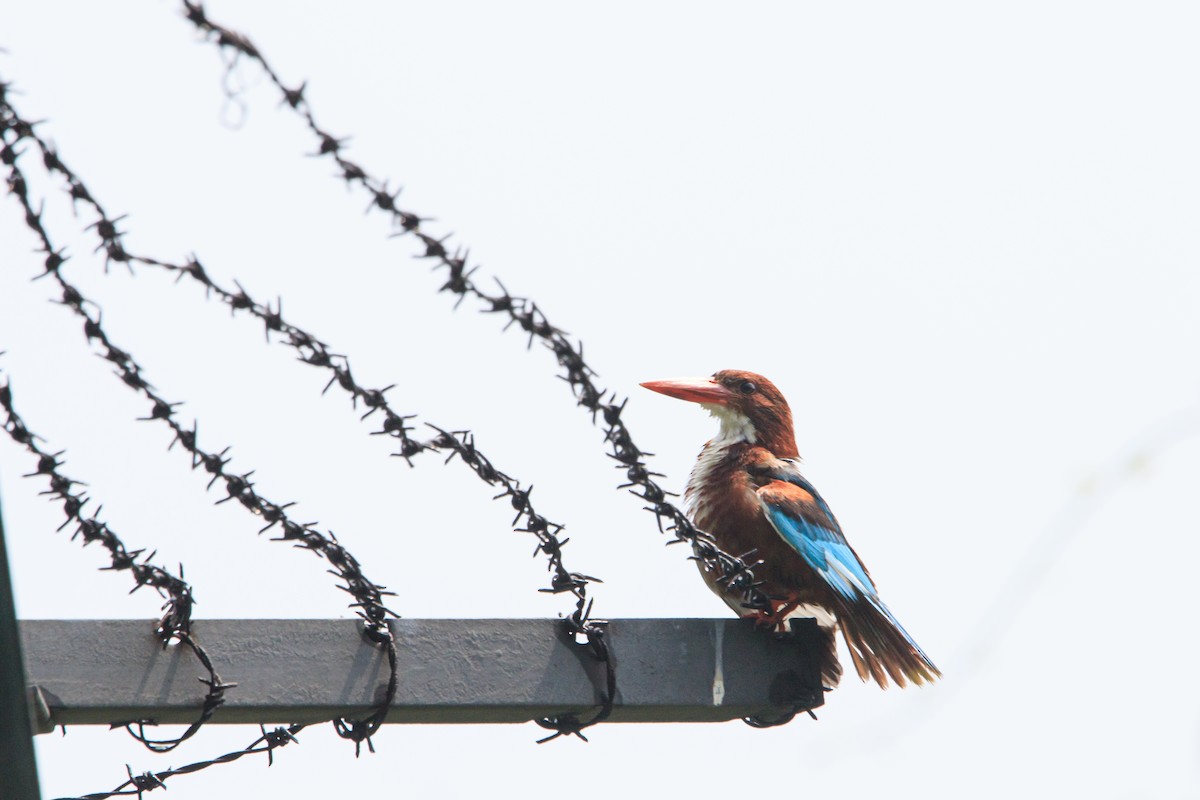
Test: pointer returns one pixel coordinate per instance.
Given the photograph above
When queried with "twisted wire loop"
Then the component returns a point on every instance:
(790, 709)
(314, 352)
(733, 572)
(782, 719)
(570, 724)
(368, 596)
(176, 621)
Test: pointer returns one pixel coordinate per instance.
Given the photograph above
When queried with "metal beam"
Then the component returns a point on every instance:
(500, 670)
(17, 766)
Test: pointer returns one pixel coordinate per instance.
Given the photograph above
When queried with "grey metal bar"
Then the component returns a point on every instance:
(462, 671)
(18, 769)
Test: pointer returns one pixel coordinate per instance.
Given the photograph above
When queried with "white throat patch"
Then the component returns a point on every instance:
(735, 426)
(735, 429)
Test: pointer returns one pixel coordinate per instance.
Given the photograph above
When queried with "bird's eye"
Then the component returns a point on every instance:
(747, 387)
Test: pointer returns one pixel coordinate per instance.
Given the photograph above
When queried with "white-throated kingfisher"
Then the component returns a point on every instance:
(747, 492)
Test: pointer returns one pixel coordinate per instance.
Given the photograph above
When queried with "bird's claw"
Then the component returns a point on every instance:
(776, 618)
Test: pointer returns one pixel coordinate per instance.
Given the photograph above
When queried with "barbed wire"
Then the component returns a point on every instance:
(314, 352)
(176, 621)
(368, 595)
(268, 743)
(733, 572)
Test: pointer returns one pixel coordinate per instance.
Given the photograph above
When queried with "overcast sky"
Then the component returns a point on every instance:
(961, 238)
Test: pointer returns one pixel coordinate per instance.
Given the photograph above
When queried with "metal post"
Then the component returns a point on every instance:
(96, 672)
(18, 769)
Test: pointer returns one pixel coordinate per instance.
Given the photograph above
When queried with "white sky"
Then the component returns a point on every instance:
(961, 238)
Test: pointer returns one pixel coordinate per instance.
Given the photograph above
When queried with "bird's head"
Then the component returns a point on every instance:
(748, 406)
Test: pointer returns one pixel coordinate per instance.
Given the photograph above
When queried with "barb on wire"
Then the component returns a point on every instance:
(368, 596)
(176, 621)
(316, 353)
(268, 743)
(733, 572)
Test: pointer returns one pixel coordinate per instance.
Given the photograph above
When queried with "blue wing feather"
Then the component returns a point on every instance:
(805, 521)
(824, 548)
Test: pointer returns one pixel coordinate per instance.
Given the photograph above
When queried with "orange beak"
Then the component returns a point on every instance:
(694, 390)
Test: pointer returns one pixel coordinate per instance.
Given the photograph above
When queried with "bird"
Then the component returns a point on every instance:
(747, 492)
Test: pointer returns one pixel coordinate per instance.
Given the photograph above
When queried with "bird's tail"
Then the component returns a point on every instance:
(880, 647)
(827, 658)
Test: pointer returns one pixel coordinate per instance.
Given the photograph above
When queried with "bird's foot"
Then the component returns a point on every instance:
(776, 618)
